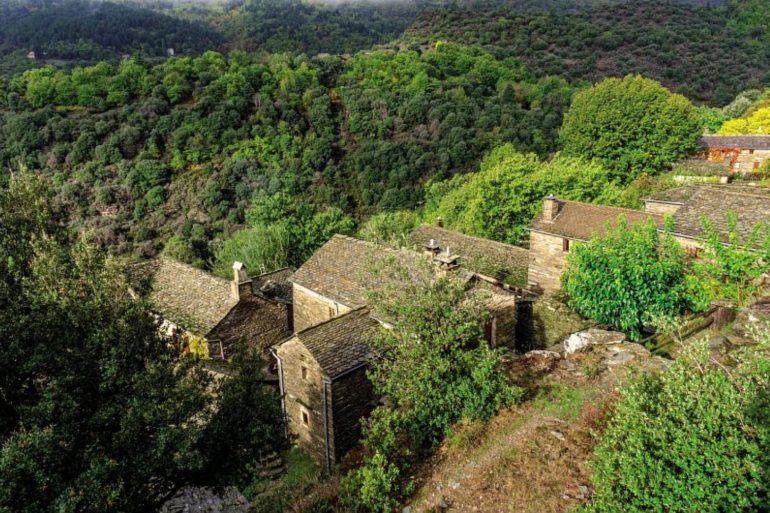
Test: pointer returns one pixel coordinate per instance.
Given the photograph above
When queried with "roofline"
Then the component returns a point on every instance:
(486, 241)
(558, 234)
(664, 201)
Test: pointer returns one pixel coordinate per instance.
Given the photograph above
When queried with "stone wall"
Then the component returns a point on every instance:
(352, 400)
(311, 309)
(303, 394)
(547, 259)
(747, 161)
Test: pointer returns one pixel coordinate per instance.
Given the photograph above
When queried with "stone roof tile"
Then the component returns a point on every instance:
(744, 142)
(582, 221)
(342, 343)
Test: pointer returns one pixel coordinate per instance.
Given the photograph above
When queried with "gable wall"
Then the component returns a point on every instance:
(311, 308)
(659, 207)
(746, 160)
(546, 261)
(303, 395)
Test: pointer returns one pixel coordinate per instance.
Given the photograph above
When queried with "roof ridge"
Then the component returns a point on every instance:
(359, 310)
(428, 225)
(601, 205)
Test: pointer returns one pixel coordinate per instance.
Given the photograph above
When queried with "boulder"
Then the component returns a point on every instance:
(592, 337)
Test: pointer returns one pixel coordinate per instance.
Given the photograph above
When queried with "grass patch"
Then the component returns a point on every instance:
(467, 435)
(562, 401)
(302, 475)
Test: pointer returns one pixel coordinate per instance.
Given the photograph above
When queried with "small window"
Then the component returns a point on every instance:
(565, 244)
(305, 418)
(751, 152)
(332, 312)
(304, 372)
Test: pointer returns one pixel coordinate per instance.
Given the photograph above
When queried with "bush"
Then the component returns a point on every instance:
(627, 277)
(695, 438)
(261, 249)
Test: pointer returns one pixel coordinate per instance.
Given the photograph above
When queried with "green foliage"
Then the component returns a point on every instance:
(627, 277)
(436, 368)
(742, 103)
(685, 46)
(261, 248)
(98, 412)
(181, 148)
(731, 271)
(695, 437)
(711, 118)
(501, 199)
(633, 125)
(389, 227)
(248, 421)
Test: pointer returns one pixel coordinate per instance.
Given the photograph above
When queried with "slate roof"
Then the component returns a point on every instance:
(340, 344)
(341, 269)
(751, 205)
(274, 285)
(483, 256)
(185, 295)
(746, 142)
(582, 221)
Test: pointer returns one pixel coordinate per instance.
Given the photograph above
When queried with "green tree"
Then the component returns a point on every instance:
(435, 367)
(389, 227)
(633, 125)
(98, 413)
(731, 264)
(627, 277)
(693, 438)
(261, 248)
(501, 199)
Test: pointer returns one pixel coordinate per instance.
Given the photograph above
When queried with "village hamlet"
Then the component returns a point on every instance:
(314, 325)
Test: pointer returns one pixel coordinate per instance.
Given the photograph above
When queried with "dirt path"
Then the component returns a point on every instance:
(532, 458)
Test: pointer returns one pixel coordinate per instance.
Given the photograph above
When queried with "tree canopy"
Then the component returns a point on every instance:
(633, 125)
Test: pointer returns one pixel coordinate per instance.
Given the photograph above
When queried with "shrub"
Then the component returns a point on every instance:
(695, 438)
(626, 277)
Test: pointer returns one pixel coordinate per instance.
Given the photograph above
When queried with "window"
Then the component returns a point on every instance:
(751, 152)
(304, 372)
(756, 165)
(305, 418)
(332, 312)
(565, 244)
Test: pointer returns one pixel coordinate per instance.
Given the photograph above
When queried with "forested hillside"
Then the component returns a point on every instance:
(86, 30)
(139, 153)
(709, 54)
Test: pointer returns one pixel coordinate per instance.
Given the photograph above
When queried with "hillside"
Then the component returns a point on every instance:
(690, 49)
(139, 153)
(84, 30)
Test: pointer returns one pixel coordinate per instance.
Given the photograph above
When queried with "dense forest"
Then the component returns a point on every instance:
(91, 31)
(708, 54)
(140, 153)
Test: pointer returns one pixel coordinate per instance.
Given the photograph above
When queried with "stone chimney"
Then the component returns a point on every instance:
(447, 262)
(551, 207)
(432, 248)
(241, 284)
(440, 222)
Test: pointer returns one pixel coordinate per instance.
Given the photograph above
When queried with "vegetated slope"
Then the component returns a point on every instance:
(86, 30)
(140, 153)
(312, 28)
(690, 49)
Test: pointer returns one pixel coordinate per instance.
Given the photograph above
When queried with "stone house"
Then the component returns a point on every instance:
(324, 389)
(688, 206)
(322, 368)
(745, 153)
(192, 304)
(562, 224)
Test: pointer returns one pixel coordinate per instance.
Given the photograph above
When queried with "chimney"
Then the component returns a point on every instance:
(440, 222)
(551, 208)
(447, 262)
(241, 284)
(432, 248)
(706, 131)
